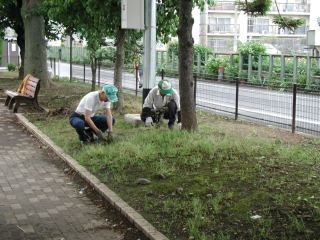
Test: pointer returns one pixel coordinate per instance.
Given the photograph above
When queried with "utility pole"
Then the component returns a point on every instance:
(149, 57)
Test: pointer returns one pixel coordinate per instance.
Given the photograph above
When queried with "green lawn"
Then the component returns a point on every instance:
(207, 185)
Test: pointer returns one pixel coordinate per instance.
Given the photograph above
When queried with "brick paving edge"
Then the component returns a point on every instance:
(134, 217)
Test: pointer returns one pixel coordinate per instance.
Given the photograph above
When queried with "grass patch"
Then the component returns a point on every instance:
(208, 184)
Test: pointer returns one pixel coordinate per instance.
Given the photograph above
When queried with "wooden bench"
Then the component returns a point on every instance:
(29, 96)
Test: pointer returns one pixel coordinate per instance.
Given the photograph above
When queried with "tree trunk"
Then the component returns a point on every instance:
(186, 82)
(94, 73)
(20, 42)
(19, 29)
(35, 59)
(118, 68)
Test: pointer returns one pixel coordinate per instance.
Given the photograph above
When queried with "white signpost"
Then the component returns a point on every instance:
(141, 14)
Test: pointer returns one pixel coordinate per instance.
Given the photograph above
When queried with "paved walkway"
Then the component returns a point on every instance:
(37, 200)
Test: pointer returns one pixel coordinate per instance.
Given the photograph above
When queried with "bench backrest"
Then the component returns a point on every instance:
(32, 87)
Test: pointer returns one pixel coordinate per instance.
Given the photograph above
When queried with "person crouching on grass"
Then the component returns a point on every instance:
(85, 120)
(162, 99)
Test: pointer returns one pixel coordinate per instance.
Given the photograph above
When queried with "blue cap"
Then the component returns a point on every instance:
(111, 92)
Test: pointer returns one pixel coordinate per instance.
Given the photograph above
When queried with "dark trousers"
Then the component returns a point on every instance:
(77, 122)
(169, 113)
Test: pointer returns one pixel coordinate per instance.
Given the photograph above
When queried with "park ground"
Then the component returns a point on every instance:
(229, 180)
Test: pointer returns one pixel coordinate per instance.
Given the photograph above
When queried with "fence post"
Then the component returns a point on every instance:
(240, 64)
(294, 105)
(99, 66)
(308, 72)
(295, 69)
(249, 67)
(70, 58)
(54, 67)
(198, 63)
(270, 65)
(84, 72)
(161, 58)
(136, 75)
(172, 59)
(237, 100)
(282, 68)
(195, 89)
(260, 68)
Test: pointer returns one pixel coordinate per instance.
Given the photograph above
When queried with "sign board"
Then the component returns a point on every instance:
(132, 14)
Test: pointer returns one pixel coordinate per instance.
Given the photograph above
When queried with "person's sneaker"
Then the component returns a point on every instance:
(171, 126)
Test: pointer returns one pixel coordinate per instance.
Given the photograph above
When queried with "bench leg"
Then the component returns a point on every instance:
(37, 106)
(11, 103)
(16, 106)
(7, 101)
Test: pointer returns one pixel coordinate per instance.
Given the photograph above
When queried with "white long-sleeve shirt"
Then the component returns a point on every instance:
(156, 101)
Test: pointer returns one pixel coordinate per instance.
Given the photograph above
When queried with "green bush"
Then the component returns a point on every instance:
(11, 67)
(254, 48)
(173, 47)
(204, 52)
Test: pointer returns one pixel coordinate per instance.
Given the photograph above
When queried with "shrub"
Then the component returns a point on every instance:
(255, 49)
(203, 51)
(11, 67)
(214, 62)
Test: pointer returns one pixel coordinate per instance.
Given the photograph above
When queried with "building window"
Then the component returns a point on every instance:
(258, 25)
(219, 24)
(221, 45)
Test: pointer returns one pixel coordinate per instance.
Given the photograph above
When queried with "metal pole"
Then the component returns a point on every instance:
(283, 65)
(84, 72)
(237, 100)
(162, 74)
(294, 106)
(70, 58)
(149, 66)
(59, 62)
(54, 66)
(136, 75)
(99, 66)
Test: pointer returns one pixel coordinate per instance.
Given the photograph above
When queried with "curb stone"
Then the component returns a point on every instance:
(134, 217)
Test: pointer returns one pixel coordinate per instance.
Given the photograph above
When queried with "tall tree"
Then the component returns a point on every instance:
(35, 42)
(186, 83)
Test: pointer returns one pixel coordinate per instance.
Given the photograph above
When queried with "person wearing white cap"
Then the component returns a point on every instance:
(162, 98)
(86, 122)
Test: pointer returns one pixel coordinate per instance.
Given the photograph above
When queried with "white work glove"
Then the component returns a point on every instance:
(149, 122)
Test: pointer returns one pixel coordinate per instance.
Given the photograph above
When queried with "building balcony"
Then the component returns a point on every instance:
(223, 6)
(291, 8)
(275, 30)
(223, 28)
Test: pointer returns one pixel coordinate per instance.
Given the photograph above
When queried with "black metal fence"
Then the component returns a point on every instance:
(292, 106)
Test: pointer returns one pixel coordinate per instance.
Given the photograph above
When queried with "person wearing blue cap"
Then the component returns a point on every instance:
(161, 99)
(85, 120)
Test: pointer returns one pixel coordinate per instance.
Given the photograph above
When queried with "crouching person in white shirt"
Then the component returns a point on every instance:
(86, 122)
(162, 99)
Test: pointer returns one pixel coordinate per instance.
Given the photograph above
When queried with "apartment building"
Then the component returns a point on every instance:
(223, 26)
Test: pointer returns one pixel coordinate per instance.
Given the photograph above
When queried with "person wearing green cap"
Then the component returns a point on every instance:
(162, 98)
(85, 120)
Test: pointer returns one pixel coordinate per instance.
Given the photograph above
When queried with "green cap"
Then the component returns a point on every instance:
(165, 87)
(111, 92)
